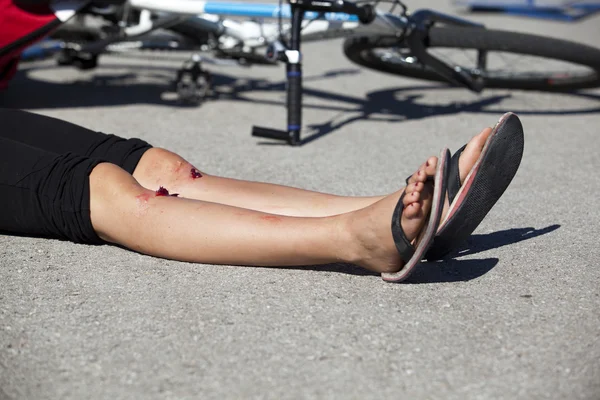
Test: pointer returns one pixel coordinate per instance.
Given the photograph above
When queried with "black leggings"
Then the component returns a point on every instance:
(45, 165)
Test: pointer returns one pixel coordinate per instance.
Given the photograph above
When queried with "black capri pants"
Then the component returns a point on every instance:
(45, 165)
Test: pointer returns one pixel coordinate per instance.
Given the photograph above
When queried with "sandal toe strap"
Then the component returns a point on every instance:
(405, 249)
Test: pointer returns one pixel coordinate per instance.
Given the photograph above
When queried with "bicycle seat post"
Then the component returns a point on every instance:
(294, 77)
(293, 59)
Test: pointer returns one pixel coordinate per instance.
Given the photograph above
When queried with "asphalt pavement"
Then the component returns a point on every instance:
(514, 315)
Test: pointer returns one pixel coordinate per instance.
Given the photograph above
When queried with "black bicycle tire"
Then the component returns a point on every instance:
(355, 48)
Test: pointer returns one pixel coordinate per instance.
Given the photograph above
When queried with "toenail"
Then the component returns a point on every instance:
(427, 164)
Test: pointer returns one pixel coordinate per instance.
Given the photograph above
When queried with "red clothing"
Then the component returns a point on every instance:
(21, 26)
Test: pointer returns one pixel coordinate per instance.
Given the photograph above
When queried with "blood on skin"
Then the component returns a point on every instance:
(164, 192)
(143, 197)
(195, 173)
(142, 204)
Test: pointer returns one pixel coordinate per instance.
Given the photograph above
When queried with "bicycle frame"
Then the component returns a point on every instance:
(252, 10)
(317, 25)
(310, 20)
(306, 24)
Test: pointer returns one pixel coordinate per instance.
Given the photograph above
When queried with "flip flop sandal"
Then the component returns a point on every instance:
(484, 185)
(412, 255)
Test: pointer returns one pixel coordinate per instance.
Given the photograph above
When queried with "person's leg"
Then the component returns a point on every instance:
(60, 137)
(45, 194)
(124, 212)
(89, 201)
(160, 167)
(155, 167)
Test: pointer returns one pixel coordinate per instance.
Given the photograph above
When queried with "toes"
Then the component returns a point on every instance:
(414, 177)
(430, 166)
(426, 167)
(478, 141)
(412, 210)
(420, 176)
(410, 198)
(469, 156)
(483, 136)
(429, 170)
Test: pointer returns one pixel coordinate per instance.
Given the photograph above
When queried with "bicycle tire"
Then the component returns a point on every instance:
(359, 49)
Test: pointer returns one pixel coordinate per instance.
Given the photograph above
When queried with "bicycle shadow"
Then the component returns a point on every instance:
(387, 105)
(116, 89)
(91, 89)
(397, 104)
(394, 102)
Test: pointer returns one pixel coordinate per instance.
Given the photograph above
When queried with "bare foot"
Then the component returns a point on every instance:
(466, 161)
(371, 226)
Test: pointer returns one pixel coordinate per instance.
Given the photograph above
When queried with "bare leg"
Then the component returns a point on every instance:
(124, 212)
(159, 167)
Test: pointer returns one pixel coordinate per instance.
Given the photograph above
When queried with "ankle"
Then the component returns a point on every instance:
(348, 248)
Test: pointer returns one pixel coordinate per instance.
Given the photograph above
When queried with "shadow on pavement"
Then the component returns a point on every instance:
(150, 86)
(393, 105)
(438, 272)
(448, 270)
(117, 88)
(452, 269)
(482, 242)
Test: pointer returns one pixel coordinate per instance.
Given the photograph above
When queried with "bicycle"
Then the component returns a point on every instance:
(394, 41)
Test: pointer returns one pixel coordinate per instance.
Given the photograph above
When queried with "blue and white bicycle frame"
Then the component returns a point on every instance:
(298, 20)
(255, 32)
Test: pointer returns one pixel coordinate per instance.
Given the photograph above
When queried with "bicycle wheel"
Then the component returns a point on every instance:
(514, 60)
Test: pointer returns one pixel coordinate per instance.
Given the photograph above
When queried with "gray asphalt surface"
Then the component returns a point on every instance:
(513, 316)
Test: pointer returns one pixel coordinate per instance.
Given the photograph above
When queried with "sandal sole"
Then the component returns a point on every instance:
(484, 185)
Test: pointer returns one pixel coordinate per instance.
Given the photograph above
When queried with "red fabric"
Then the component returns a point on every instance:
(15, 23)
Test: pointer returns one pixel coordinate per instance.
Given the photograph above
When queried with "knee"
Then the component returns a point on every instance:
(161, 167)
(107, 179)
(113, 193)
